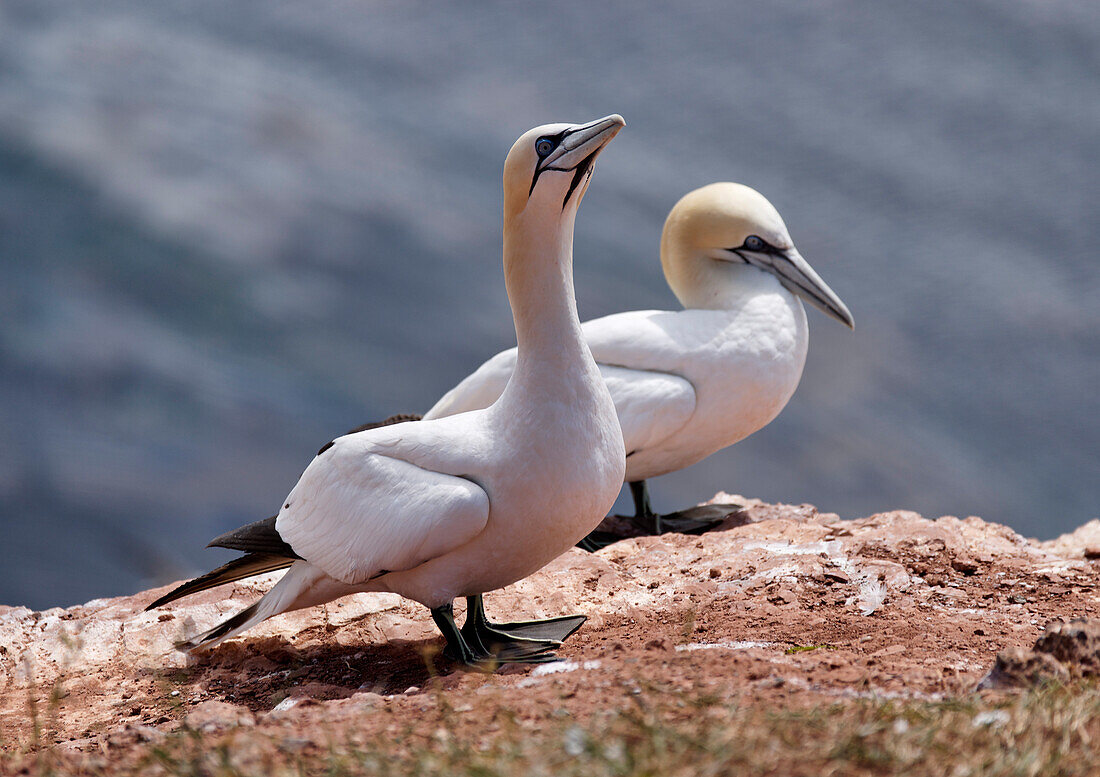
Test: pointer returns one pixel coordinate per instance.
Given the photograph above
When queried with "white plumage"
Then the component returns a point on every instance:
(688, 383)
(473, 502)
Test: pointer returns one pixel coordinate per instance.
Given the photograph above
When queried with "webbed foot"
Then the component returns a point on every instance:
(598, 540)
(484, 645)
(516, 641)
(694, 520)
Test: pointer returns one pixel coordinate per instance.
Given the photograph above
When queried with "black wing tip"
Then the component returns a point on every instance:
(230, 538)
(249, 565)
(398, 418)
(256, 537)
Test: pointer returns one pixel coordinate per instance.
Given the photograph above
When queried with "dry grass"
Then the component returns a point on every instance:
(1048, 731)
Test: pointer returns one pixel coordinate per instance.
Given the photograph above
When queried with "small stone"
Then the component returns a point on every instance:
(369, 698)
(1018, 667)
(289, 702)
(715, 573)
(148, 733)
(783, 596)
(964, 564)
(215, 715)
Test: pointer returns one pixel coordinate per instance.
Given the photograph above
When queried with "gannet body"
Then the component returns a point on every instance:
(466, 504)
(688, 383)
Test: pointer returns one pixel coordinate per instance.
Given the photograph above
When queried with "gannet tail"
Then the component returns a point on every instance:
(239, 568)
(292, 592)
(304, 585)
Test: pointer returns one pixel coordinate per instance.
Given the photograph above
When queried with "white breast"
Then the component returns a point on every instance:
(742, 367)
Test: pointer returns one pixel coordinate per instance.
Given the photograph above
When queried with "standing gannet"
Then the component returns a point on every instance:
(473, 502)
(688, 383)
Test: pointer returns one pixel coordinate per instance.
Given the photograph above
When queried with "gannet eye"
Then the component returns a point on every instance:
(753, 243)
(543, 147)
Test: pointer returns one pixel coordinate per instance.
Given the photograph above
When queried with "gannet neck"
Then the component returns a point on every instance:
(546, 175)
(538, 275)
(701, 282)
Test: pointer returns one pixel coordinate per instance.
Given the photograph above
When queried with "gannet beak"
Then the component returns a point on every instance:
(582, 143)
(799, 278)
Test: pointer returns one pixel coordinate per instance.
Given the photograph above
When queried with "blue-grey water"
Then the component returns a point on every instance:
(230, 231)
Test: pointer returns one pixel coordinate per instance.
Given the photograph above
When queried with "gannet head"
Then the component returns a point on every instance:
(550, 166)
(725, 225)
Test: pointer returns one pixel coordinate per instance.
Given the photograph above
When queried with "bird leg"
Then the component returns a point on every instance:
(518, 641)
(694, 520)
(555, 630)
(484, 645)
(456, 649)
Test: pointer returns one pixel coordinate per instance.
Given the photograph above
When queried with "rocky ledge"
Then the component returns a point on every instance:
(782, 601)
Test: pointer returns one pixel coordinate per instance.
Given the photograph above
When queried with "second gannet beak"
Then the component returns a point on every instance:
(799, 278)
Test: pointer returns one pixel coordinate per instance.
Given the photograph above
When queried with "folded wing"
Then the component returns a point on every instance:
(357, 514)
(652, 406)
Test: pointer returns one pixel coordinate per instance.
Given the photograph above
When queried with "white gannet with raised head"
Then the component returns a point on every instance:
(688, 383)
(462, 505)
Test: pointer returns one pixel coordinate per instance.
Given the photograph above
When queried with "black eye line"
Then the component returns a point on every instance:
(582, 169)
(768, 248)
(556, 139)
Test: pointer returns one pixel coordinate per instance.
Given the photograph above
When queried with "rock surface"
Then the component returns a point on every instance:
(1064, 651)
(783, 601)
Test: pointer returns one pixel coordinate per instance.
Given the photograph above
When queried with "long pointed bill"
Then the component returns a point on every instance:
(583, 142)
(799, 278)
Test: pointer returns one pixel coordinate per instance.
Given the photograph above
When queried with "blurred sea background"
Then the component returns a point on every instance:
(231, 231)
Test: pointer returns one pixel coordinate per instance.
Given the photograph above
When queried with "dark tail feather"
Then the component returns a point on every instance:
(237, 569)
(256, 537)
(220, 630)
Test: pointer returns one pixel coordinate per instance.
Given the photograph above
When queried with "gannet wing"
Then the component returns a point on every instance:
(652, 406)
(356, 513)
(479, 389)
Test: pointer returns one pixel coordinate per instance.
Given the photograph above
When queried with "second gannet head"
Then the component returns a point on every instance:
(549, 167)
(716, 233)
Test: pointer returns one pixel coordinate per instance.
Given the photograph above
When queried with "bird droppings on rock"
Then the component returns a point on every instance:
(951, 595)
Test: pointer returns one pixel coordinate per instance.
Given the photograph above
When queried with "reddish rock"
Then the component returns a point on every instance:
(215, 715)
(785, 599)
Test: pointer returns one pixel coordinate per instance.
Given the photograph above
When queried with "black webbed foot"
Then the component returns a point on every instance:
(517, 641)
(598, 540)
(646, 523)
(484, 645)
(694, 520)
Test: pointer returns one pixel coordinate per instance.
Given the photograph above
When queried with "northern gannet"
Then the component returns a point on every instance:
(688, 383)
(462, 505)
